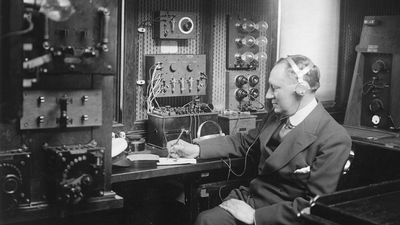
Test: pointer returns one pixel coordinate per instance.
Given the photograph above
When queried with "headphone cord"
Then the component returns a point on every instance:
(229, 163)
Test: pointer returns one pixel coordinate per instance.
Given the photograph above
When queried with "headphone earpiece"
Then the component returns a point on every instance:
(302, 86)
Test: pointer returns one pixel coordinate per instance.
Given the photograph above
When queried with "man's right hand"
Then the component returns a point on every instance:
(182, 149)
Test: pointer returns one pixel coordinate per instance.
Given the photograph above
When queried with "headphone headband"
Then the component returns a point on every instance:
(300, 73)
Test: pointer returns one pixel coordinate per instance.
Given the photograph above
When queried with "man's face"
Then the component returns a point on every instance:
(281, 91)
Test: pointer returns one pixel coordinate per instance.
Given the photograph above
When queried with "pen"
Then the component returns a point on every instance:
(177, 140)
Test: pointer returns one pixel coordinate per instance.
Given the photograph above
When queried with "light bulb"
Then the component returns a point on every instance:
(248, 25)
(247, 57)
(261, 26)
(261, 41)
(261, 56)
(248, 40)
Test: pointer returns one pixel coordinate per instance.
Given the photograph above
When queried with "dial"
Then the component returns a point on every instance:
(375, 119)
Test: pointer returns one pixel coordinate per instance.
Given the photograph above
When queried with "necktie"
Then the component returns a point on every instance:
(285, 129)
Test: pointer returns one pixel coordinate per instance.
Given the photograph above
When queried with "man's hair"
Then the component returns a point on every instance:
(311, 77)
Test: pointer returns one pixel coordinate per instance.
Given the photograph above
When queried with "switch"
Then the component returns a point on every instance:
(69, 50)
(85, 98)
(173, 82)
(41, 100)
(190, 83)
(84, 118)
(40, 120)
(182, 83)
(89, 52)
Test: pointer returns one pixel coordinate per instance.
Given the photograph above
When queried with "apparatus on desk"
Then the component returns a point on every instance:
(175, 86)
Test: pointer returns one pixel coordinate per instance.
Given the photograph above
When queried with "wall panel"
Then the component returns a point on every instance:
(210, 39)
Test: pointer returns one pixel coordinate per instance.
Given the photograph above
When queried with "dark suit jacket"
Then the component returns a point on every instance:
(278, 192)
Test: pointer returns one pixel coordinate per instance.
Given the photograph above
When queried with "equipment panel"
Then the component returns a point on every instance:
(15, 179)
(373, 100)
(245, 43)
(60, 109)
(75, 172)
(175, 25)
(176, 75)
(376, 91)
(82, 39)
(243, 90)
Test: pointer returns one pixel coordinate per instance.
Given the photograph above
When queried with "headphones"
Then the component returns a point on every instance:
(302, 86)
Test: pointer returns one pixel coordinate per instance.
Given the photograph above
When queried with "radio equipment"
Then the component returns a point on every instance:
(243, 90)
(373, 100)
(15, 176)
(175, 25)
(176, 75)
(246, 43)
(84, 43)
(75, 172)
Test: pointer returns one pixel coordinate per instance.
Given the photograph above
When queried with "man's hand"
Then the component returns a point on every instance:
(239, 209)
(182, 149)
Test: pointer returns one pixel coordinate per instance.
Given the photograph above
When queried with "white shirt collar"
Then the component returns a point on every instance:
(301, 114)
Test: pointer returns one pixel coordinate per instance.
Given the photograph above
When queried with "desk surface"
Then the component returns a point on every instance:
(360, 135)
(132, 173)
(373, 204)
(374, 137)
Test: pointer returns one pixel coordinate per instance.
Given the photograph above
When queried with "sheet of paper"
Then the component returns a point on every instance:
(171, 161)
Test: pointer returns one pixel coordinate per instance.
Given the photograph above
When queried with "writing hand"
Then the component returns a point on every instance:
(182, 149)
(240, 210)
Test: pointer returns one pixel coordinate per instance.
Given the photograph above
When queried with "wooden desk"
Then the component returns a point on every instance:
(40, 211)
(374, 204)
(374, 137)
(132, 173)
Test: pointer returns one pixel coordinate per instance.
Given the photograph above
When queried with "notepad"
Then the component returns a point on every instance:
(171, 161)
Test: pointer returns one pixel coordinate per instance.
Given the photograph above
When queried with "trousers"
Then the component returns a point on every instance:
(219, 216)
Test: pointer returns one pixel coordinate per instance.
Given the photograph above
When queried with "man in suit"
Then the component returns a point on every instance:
(302, 152)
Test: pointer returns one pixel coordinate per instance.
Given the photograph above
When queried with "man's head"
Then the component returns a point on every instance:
(292, 84)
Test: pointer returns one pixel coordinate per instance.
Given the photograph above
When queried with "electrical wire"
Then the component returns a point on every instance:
(229, 165)
(154, 88)
(28, 18)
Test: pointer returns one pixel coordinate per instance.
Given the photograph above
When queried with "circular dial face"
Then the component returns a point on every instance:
(375, 119)
(186, 25)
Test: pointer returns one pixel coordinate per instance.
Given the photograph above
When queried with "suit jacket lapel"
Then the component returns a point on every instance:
(266, 134)
(294, 142)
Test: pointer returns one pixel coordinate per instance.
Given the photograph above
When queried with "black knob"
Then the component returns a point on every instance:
(253, 80)
(378, 66)
(10, 184)
(86, 180)
(189, 67)
(376, 105)
(240, 94)
(241, 80)
(254, 93)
